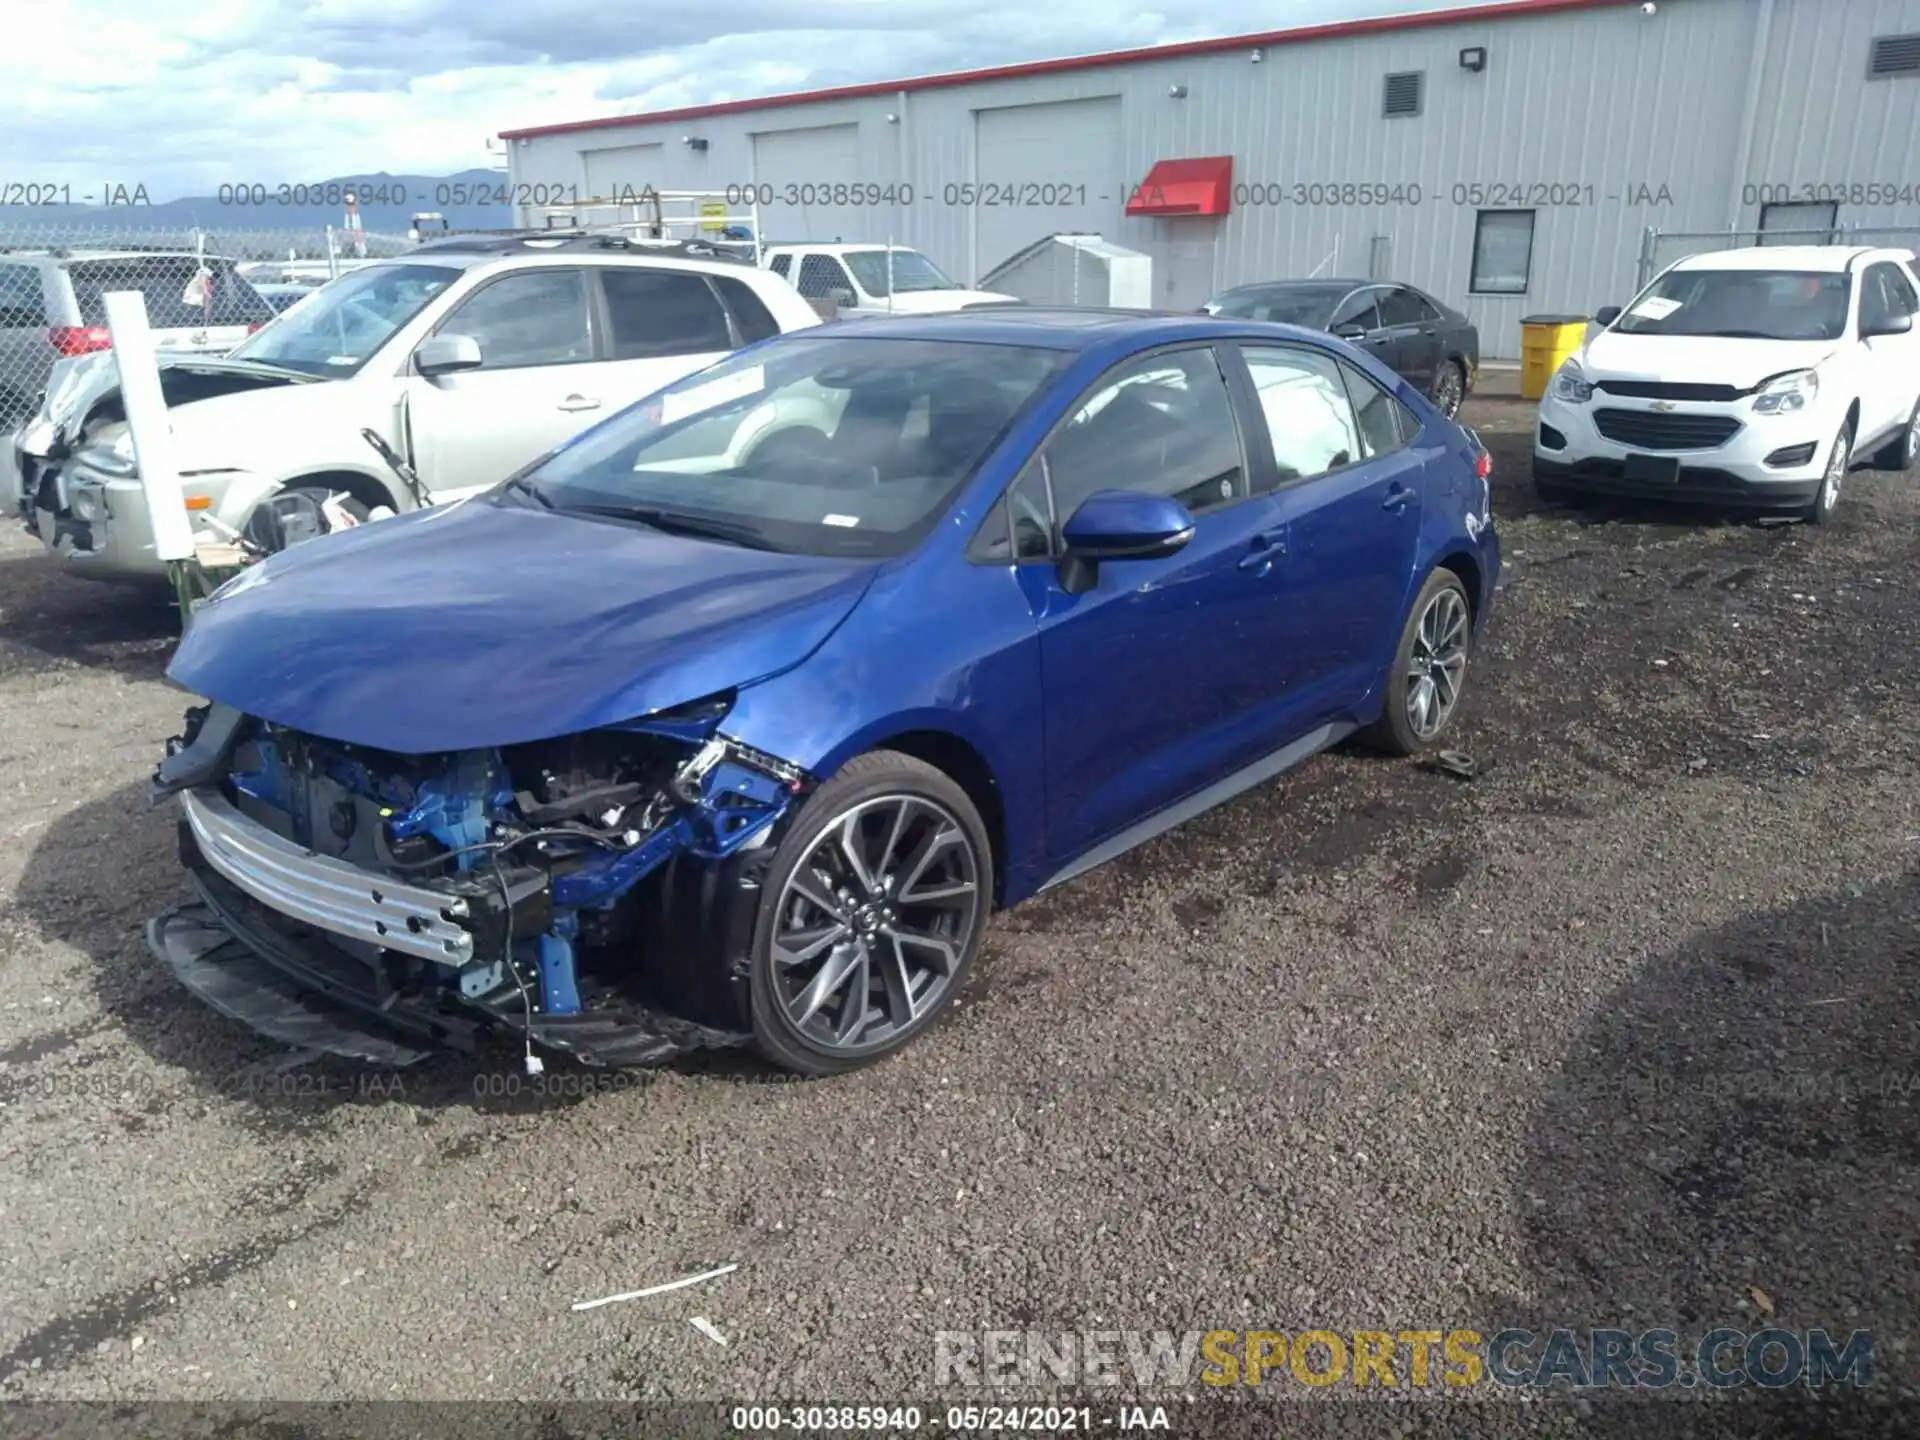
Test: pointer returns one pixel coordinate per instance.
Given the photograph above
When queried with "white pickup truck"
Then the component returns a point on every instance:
(468, 358)
(873, 280)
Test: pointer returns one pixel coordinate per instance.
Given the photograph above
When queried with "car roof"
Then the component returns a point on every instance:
(1327, 285)
(1832, 259)
(474, 260)
(1075, 328)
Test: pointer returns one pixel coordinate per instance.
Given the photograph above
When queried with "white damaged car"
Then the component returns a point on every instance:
(466, 358)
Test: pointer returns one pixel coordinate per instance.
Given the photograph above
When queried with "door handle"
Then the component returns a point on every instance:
(579, 402)
(1267, 548)
(1397, 498)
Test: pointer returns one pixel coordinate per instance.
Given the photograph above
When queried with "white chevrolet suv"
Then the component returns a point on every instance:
(467, 358)
(1752, 378)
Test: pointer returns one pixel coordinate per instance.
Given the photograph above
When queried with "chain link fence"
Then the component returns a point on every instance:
(206, 289)
(1661, 248)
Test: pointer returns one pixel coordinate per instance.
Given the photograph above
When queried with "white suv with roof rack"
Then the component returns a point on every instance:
(1754, 378)
(465, 359)
(873, 280)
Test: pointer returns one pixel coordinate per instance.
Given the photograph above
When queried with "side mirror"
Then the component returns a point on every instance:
(1606, 315)
(842, 296)
(1120, 525)
(1888, 325)
(444, 354)
(1349, 330)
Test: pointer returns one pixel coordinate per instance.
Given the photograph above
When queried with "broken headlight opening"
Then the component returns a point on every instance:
(593, 893)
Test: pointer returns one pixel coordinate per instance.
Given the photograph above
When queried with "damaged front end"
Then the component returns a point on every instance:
(594, 893)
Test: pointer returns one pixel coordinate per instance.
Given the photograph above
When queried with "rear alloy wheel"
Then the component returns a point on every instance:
(872, 913)
(1429, 669)
(1821, 511)
(1903, 450)
(1449, 389)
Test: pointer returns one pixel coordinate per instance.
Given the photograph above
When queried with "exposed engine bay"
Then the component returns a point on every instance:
(546, 888)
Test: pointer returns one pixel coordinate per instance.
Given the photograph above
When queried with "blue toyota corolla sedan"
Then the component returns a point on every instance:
(732, 720)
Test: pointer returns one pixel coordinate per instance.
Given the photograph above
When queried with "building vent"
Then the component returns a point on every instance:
(1404, 92)
(1894, 55)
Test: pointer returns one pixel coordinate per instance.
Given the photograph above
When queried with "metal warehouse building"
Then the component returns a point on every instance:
(1522, 157)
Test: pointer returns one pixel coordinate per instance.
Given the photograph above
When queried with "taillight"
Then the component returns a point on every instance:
(1483, 465)
(80, 339)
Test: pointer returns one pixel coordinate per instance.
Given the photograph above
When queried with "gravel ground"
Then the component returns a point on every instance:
(1617, 1034)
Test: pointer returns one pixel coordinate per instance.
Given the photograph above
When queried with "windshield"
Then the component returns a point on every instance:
(1311, 307)
(816, 446)
(1742, 304)
(178, 297)
(911, 271)
(340, 325)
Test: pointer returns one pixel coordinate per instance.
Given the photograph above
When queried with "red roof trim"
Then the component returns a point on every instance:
(1503, 9)
(1202, 186)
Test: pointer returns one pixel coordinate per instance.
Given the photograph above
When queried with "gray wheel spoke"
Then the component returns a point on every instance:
(901, 816)
(946, 956)
(945, 894)
(829, 980)
(897, 981)
(939, 840)
(850, 851)
(796, 947)
(807, 886)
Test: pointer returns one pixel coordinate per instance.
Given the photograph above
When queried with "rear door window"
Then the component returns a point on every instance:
(1360, 310)
(1398, 307)
(176, 300)
(657, 313)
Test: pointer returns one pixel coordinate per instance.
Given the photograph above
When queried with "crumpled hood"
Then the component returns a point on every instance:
(480, 624)
(1698, 359)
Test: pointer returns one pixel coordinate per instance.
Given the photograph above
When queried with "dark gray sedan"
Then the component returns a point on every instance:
(1434, 346)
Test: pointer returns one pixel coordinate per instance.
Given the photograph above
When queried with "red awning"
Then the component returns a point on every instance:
(1185, 187)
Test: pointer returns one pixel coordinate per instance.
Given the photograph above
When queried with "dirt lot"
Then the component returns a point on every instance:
(1619, 1033)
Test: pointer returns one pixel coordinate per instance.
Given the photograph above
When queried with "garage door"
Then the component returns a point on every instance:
(798, 170)
(1044, 169)
(624, 171)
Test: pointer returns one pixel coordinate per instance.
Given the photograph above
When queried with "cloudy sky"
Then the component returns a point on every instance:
(183, 95)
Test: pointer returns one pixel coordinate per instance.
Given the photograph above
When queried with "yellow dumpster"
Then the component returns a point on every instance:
(1546, 342)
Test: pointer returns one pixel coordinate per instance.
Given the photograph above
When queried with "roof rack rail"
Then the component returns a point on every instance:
(541, 241)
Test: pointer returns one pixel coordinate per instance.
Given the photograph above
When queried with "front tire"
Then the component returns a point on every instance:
(1902, 451)
(1429, 669)
(1838, 459)
(870, 917)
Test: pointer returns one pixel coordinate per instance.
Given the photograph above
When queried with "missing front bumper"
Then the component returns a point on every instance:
(301, 991)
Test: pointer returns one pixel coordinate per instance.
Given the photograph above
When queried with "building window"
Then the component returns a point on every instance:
(1405, 91)
(1502, 252)
(1894, 55)
(1808, 223)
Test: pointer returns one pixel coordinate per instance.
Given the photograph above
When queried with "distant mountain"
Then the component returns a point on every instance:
(470, 199)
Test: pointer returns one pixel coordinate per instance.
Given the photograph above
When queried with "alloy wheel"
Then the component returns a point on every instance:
(874, 922)
(1437, 663)
(1447, 392)
(1836, 472)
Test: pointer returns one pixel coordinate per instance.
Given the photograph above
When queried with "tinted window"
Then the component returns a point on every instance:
(1385, 425)
(907, 270)
(808, 444)
(21, 304)
(780, 265)
(178, 297)
(662, 312)
(537, 317)
(1402, 307)
(1884, 295)
(1742, 304)
(1162, 424)
(1310, 422)
(1359, 310)
(756, 322)
(820, 274)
